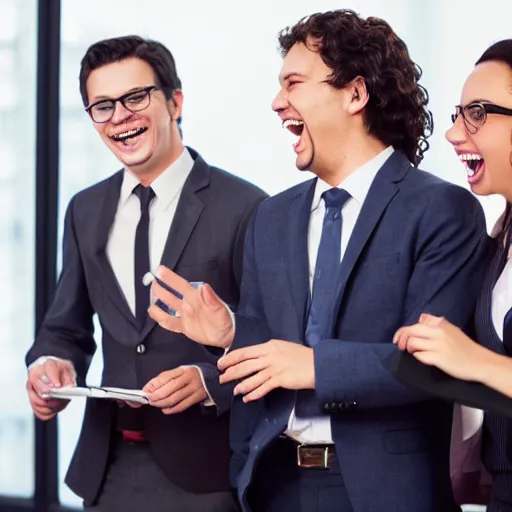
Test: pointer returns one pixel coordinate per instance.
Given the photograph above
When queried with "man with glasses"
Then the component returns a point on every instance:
(168, 206)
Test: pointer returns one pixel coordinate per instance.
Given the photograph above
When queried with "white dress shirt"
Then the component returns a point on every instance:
(318, 429)
(121, 241)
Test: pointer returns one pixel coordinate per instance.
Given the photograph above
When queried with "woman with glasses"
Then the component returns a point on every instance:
(482, 137)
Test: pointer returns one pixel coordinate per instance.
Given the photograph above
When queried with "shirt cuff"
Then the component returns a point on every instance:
(209, 401)
(233, 321)
(41, 360)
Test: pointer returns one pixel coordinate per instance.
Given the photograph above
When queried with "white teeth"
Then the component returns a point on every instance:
(470, 172)
(292, 122)
(129, 133)
(464, 157)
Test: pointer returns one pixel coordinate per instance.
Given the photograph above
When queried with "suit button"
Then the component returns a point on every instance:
(334, 406)
(327, 407)
(342, 406)
(351, 406)
(141, 349)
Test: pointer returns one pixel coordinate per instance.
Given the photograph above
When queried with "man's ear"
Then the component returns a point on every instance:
(357, 88)
(175, 105)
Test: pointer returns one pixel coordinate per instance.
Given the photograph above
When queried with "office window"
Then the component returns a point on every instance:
(17, 240)
(227, 59)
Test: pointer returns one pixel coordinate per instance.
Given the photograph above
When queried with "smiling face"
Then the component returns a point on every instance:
(146, 141)
(486, 149)
(317, 113)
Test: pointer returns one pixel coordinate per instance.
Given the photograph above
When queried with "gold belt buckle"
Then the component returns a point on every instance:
(313, 456)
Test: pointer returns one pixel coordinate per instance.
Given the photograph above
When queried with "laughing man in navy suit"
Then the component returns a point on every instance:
(332, 267)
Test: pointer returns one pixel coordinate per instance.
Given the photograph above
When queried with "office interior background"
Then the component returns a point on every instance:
(226, 53)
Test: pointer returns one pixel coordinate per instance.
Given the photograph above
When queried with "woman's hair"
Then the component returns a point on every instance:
(502, 52)
(352, 46)
(498, 52)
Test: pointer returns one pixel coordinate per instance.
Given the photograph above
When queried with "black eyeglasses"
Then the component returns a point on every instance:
(135, 101)
(475, 114)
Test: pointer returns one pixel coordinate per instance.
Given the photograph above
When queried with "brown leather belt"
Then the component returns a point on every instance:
(313, 456)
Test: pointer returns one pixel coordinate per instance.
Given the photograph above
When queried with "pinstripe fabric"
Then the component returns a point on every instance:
(497, 432)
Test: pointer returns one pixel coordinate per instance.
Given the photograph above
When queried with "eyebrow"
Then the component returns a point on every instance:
(478, 100)
(102, 97)
(287, 77)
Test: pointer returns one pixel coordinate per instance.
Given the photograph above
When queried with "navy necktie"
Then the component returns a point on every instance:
(142, 264)
(323, 297)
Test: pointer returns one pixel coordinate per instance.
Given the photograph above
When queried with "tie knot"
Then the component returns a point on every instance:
(145, 195)
(335, 197)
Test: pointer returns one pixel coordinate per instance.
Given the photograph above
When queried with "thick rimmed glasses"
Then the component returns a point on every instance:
(475, 114)
(135, 101)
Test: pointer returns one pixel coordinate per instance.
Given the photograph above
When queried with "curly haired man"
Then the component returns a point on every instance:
(332, 268)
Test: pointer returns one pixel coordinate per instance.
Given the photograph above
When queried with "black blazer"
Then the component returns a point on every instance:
(473, 394)
(205, 243)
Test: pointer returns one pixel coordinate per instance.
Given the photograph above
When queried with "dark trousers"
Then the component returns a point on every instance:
(134, 483)
(279, 485)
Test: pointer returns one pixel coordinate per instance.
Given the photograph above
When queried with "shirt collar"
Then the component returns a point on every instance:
(165, 186)
(358, 183)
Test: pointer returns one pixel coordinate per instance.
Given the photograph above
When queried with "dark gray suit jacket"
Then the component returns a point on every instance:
(205, 243)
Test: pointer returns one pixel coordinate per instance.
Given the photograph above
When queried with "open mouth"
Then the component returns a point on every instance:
(128, 137)
(296, 127)
(474, 164)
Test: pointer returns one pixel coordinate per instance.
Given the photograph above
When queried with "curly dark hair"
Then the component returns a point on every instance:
(352, 46)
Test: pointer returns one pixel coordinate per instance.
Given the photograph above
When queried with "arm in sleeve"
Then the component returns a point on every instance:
(446, 279)
(67, 329)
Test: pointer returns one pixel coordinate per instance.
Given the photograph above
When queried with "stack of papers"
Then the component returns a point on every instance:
(130, 395)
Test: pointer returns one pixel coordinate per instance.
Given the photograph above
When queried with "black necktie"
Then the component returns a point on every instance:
(320, 319)
(142, 264)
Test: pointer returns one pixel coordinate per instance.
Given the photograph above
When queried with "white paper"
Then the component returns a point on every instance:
(68, 393)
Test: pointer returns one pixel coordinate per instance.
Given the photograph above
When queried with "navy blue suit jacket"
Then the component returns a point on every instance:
(417, 247)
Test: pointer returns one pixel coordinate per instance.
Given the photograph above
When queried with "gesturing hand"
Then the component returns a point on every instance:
(202, 316)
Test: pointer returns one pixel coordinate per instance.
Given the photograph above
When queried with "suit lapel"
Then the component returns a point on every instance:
(107, 212)
(507, 332)
(298, 267)
(382, 191)
(189, 209)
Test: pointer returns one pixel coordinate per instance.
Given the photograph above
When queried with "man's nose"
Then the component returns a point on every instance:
(121, 113)
(280, 102)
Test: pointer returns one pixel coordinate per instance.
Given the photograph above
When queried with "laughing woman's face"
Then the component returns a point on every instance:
(482, 130)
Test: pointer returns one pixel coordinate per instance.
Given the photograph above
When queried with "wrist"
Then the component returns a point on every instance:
(485, 365)
(312, 379)
(228, 338)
